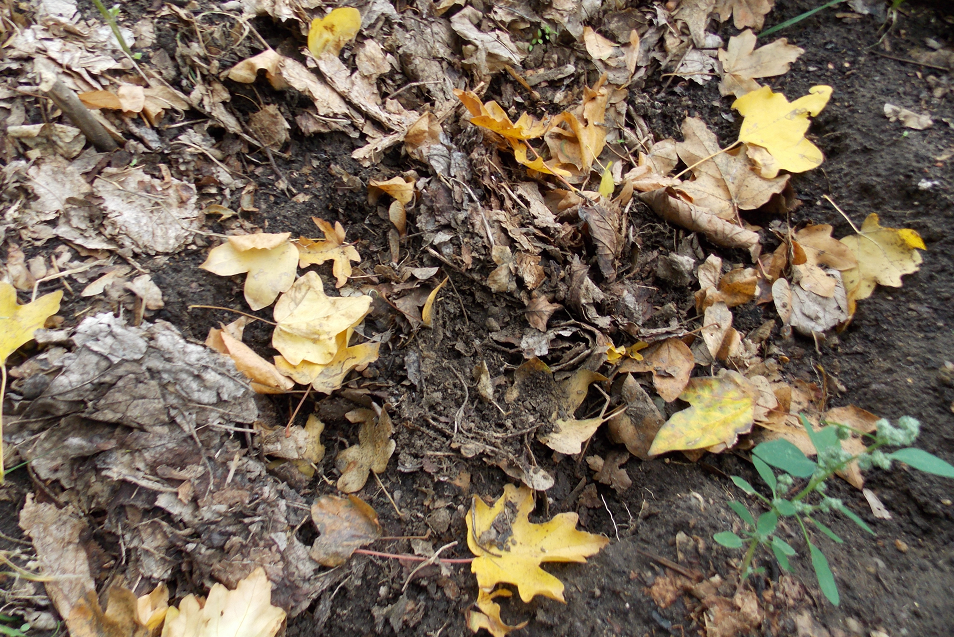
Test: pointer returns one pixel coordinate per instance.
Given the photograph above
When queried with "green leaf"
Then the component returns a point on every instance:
(826, 579)
(927, 462)
(742, 512)
(767, 523)
(765, 472)
(744, 485)
(728, 539)
(824, 529)
(783, 546)
(783, 455)
(823, 439)
(854, 518)
(784, 507)
(781, 557)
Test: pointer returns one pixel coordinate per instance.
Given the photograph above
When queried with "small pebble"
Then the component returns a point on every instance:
(901, 546)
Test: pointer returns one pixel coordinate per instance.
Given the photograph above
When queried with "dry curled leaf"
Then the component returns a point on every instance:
(777, 129)
(332, 248)
(539, 310)
(344, 524)
(488, 614)
(670, 362)
(510, 548)
(667, 203)
(745, 13)
(264, 377)
(270, 260)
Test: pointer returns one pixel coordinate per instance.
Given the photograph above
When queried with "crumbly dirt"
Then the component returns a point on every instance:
(450, 443)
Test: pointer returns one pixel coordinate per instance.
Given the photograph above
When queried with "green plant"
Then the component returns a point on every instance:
(799, 18)
(544, 35)
(811, 500)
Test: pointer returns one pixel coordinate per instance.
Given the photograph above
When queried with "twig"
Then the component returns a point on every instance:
(906, 61)
(847, 218)
(68, 102)
(682, 570)
(705, 159)
(228, 309)
(404, 557)
(612, 519)
(297, 409)
(388, 495)
(425, 563)
(460, 410)
(58, 275)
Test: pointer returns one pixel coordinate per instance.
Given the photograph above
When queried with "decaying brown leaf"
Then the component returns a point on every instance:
(610, 470)
(372, 452)
(121, 618)
(539, 310)
(344, 524)
(637, 425)
(667, 203)
(670, 361)
(745, 13)
(742, 64)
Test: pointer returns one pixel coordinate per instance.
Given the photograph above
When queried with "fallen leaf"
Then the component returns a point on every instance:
(597, 46)
(264, 377)
(121, 618)
(372, 452)
(151, 608)
(741, 63)
(670, 362)
(604, 222)
(721, 409)
(333, 31)
(510, 549)
(909, 119)
(822, 249)
(666, 203)
(494, 118)
(270, 260)
(488, 615)
(610, 471)
(778, 127)
(569, 434)
(344, 524)
(637, 426)
(310, 321)
(329, 377)
(401, 188)
(726, 182)
(716, 324)
(539, 310)
(295, 443)
(246, 611)
(143, 287)
(489, 52)
(62, 559)
(501, 280)
(745, 13)
(811, 313)
(18, 323)
(428, 309)
(883, 254)
(333, 248)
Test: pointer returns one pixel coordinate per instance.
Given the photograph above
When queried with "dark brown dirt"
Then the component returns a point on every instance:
(887, 362)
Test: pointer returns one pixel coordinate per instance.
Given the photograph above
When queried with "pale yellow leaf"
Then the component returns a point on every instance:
(427, 313)
(333, 31)
(510, 549)
(741, 63)
(329, 377)
(19, 322)
(271, 270)
(333, 248)
(883, 254)
(488, 615)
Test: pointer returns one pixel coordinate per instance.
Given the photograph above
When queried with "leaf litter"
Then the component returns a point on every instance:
(535, 237)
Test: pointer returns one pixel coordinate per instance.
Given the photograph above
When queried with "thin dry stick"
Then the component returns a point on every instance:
(292, 419)
(612, 519)
(228, 309)
(404, 557)
(3, 391)
(847, 218)
(705, 159)
(388, 495)
(427, 562)
(68, 102)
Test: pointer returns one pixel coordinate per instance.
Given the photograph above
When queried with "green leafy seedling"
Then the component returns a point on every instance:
(803, 505)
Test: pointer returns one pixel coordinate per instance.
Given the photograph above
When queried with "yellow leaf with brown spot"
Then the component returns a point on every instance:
(779, 127)
(333, 31)
(488, 615)
(883, 254)
(270, 260)
(333, 248)
(510, 549)
(721, 409)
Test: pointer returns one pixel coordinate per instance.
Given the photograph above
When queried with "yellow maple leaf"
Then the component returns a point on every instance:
(778, 127)
(246, 611)
(721, 408)
(488, 615)
(309, 321)
(333, 31)
(270, 260)
(883, 254)
(18, 324)
(333, 248)
(510, 549)
(329, 377)
(372, 452)
(492, 117)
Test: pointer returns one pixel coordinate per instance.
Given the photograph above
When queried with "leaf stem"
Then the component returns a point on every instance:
(3, 391)
(111, 21)
(413, 558)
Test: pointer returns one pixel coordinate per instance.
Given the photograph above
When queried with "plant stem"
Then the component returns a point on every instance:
(749, 554)
(795, 20)
(112, 25)
(3, 391)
